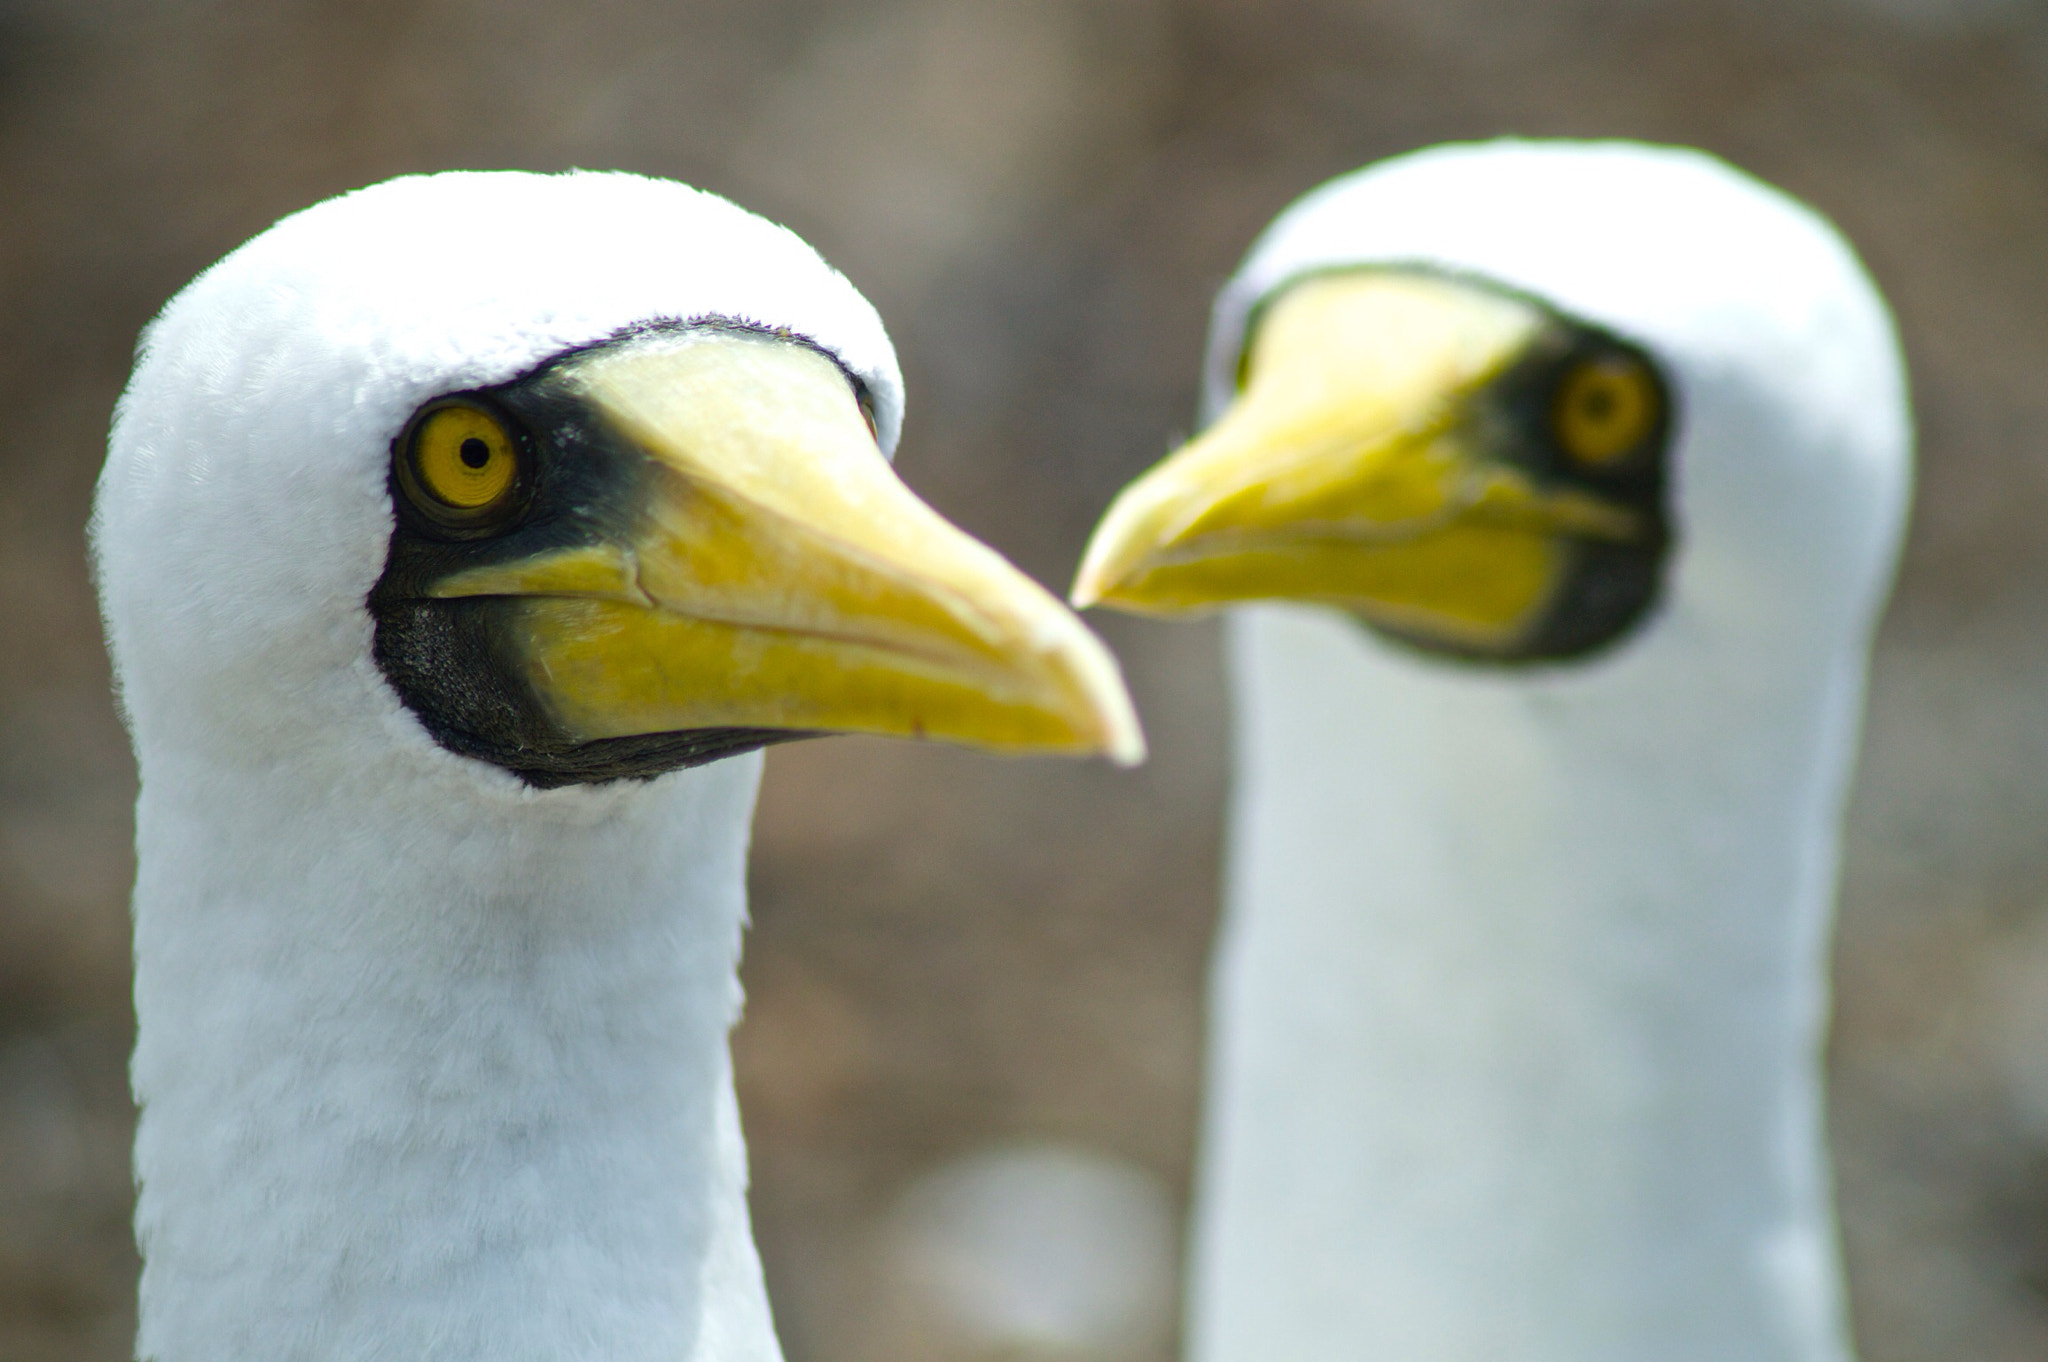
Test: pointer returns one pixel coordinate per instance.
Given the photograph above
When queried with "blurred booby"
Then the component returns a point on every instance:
(1570, 480)
(459, 541)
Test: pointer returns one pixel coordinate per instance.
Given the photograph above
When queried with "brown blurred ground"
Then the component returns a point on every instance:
(1041, 195)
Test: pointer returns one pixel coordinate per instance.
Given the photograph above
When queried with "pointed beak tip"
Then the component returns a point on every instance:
(1098, 576)
(1126, 747)
(1125, 547)
(1111, 725)
(1109, 717)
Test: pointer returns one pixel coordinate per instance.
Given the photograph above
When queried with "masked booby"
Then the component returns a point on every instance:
(459, 541)
(1567, 481)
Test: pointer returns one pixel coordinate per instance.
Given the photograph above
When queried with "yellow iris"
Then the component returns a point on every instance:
(463, 459)
(1605, 408)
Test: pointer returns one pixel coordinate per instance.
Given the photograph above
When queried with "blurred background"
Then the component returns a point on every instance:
(975, 985)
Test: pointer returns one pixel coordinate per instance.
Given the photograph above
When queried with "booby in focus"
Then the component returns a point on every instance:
(460, 540)
(1568, 480)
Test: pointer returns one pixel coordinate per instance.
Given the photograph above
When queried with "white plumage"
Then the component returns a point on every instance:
(1522, 984)
(432, 1063)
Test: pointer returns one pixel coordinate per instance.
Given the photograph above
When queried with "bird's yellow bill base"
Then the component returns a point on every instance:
(778, 574)
(1355, 470)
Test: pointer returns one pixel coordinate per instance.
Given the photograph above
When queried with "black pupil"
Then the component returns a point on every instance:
(1599, 404)
(475, 453)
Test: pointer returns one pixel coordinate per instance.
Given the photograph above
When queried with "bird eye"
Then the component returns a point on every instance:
(459, 464)
(1605, 407)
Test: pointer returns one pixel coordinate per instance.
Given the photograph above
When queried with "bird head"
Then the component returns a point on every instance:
(577, 477)
(1519, 402)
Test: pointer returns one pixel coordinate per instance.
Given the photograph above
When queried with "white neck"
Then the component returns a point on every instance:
(1519, 1003)
(449, 1080)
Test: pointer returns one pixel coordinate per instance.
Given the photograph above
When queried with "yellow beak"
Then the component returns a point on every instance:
(775, 574)
(1356, 469)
